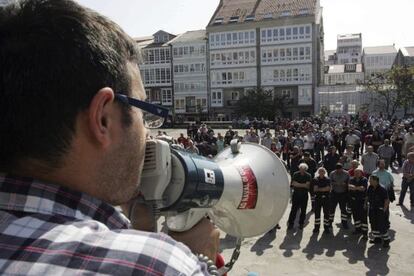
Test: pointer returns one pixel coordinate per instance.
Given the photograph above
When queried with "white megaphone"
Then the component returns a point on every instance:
(244, 189)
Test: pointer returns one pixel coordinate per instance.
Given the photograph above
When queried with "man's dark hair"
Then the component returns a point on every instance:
(55, 56)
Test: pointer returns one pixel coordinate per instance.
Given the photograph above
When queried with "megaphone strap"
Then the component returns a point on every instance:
(234, 258)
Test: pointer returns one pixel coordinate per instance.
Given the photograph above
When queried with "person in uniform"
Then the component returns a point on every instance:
(331, 159)
(378, 204)
(300, 183)
(312, 166)
(357, 192)
(339, 194)
(322, 188)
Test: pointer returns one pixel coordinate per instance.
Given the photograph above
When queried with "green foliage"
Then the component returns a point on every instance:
(261, 103)
(392, 90)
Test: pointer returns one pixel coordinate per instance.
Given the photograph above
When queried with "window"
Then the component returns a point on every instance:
(285, 13)
(166, 96)
(218, 20)
(249, 18)
(179, 103)
(268, 15)
(217, 98)
(235, 96)
(234, 19)
(351, 109)
(282, 34)
(305, 95)
(287, 93)
(288, 34)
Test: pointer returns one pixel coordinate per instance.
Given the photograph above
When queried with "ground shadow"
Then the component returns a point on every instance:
(408, 214)
(377, 260)
(264, 243)
(313, 247)
(291, 242)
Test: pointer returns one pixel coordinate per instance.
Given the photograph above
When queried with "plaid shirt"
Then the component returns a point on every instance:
(50, 230)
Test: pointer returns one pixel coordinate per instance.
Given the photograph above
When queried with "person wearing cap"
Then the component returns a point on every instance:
(321, 187)
(300, 184)
(357, 191)
(339, 194)
(378, 204)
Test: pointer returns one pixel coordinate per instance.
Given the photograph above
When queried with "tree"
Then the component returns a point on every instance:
(392, 90)
(257, 103)
(262, 103)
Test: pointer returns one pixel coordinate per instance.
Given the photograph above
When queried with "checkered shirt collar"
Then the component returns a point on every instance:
(25, 194)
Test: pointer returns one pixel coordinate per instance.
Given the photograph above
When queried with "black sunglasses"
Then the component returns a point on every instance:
(153, 115)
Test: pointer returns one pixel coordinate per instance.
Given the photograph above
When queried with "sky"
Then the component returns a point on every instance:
(381, 22)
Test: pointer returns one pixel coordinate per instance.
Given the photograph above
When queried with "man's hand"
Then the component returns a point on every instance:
(204, 238)
(141, 218)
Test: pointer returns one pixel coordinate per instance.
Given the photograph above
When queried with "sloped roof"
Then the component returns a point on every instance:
(277, 7)
(408, 51)
(380, 50)
(236, 11)
(189, 36)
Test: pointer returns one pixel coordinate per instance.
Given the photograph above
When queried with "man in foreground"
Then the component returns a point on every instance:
(72, 147)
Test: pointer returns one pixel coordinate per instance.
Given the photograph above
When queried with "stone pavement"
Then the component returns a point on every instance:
(341, 253)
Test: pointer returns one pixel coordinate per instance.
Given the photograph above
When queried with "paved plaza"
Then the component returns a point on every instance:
(341, 253)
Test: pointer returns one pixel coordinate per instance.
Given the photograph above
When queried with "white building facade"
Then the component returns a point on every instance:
(233, 68)
(156, 68)
(251, 46)
(349, 49)
(378, 59)
(342, 99)
(342, 74)
(189, 60)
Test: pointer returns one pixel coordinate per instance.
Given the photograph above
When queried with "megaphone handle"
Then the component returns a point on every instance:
(234, 257)
(220, 262)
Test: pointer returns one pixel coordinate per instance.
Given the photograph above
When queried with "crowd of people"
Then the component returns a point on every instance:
(335, 161)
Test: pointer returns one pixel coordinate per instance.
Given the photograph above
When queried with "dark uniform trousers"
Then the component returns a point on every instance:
(359, 213)
(322, 203)
(342, 199)
(299, 201)
(378, 221)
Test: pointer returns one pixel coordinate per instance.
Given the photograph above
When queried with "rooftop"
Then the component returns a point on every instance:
(349, 36)
(345, 68)
(189, 36)
(379, 50)
(408, 51)
(238, 11)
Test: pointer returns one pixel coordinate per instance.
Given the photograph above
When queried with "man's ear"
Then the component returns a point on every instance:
(101, 116)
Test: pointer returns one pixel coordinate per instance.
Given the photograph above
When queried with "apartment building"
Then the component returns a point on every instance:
(273, 45)
(349, 49)
(405, 56)
(189, 62)
(342, 74)
(342, 99)
(330, 57)
(156, 68)
(378, 59)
